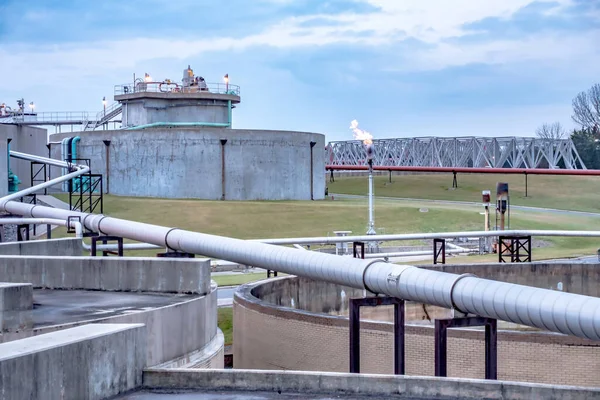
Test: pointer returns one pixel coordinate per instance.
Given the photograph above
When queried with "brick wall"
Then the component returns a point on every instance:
(272, 337)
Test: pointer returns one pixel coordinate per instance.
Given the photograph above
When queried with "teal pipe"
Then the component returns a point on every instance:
(179, 124)
(229, 112)
(76, 181)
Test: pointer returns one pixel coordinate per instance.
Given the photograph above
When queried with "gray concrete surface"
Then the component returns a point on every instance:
(388, 386)
(150, 107)
(74, 363)
(146, 274)
(177, 325)
(26, 139)
(186, 162)
(59, 307)
(51, 247)
(248, 395)
(16, 303)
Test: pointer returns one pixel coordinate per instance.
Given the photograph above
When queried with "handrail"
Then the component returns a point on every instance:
(166, 87)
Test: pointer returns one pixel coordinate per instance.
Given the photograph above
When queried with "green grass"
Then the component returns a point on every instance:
(269, 219)
(225, 323)
(562, 192)
(240, 279)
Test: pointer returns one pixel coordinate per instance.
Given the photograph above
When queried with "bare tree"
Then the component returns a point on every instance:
(586, 108)
(551, 131)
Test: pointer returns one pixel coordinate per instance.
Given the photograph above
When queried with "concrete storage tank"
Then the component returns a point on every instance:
(177, 142)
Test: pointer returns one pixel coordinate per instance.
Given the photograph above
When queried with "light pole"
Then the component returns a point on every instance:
(367, 141)
(104, 116)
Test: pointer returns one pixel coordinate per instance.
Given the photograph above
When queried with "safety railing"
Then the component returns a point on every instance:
(171, 87)
(52, 116)
(108, 111)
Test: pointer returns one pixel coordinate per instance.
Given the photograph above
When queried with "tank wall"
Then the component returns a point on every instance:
(25, 139)
(150, 111)
(186, 163)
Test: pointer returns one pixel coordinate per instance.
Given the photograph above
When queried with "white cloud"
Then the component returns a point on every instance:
(430, 21)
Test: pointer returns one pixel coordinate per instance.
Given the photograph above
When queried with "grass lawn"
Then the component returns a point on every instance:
(295, 218)
(270, 219)
(562, 192)
(225, 323)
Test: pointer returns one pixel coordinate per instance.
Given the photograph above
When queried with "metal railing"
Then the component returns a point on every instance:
(172, 87)
(109, 110)
(52, 116)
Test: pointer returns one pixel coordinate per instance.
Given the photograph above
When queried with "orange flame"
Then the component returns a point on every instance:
(359, 134)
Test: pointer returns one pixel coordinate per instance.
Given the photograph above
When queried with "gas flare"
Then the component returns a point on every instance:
(361, 135)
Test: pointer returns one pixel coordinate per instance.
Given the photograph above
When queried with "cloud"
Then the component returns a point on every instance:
(353, 56)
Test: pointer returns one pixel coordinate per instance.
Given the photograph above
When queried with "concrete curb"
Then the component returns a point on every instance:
(331, 383)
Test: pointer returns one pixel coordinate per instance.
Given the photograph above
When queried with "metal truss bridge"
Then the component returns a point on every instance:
(459, 152)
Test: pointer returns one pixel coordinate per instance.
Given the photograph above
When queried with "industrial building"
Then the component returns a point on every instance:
(78, 325)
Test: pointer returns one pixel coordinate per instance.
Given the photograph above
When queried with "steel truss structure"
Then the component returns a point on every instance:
(469, 152)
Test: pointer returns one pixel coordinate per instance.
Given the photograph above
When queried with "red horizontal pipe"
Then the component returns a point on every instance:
(466, 170)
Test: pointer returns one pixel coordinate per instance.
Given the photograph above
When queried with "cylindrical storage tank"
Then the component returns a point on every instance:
(208, 163)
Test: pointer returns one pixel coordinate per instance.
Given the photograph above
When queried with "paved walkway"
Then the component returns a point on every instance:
(53, 201)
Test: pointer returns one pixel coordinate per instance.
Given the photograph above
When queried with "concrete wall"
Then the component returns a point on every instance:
(173, 332)
(16, 303)
(268, 336)
(25, 139)
(109, 273)
(74, 364)
(148, 111)
(343, 385)
(568, 277)
(186, 163)
(52, 247)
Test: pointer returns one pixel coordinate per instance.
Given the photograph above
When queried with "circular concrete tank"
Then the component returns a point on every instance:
(300, 324)
(205, 163)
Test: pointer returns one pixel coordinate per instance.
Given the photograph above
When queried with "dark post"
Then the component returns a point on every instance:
(312, 194)
(390, 176)
(223, 143)
(354, 330)
(525, 184)
(49, 146)
(440, 347)
(442, 251)
(399, 338)
(355, 247)
(491, 349)
(354, 337)
(454, 181)
(107, 144)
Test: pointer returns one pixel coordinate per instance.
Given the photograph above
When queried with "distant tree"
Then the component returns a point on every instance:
(587, 143)
(586, 108)
(551, 131)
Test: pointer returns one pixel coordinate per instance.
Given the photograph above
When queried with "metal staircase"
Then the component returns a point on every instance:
(104, 116)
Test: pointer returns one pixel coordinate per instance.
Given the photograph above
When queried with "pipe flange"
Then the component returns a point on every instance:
(99, 222)
(167, 237)
(376, 260)
(454, 307)
(31, 211)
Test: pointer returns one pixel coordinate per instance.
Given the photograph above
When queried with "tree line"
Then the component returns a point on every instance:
(586, 138)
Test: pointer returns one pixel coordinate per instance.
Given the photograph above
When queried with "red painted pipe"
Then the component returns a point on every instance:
(466, 170)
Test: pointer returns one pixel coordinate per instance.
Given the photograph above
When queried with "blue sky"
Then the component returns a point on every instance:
(400, 67)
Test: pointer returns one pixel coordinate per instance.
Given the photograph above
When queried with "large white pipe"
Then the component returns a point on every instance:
(545, 309)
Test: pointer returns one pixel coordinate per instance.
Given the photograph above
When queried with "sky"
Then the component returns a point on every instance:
(402, 68)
